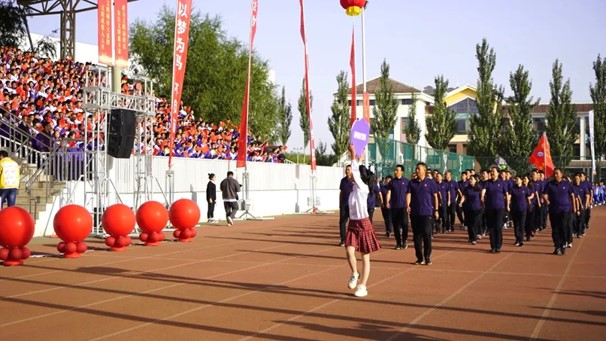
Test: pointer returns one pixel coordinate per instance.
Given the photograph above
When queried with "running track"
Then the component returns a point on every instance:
(285, 279)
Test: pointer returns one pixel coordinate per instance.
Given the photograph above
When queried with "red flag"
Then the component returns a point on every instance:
(182, 20)
(243, 138)
(121, 21)
(352, 63)
(104, 32)
(312, 143)
(541, 157)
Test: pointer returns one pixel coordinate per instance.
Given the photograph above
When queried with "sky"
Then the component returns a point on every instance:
(418, 39)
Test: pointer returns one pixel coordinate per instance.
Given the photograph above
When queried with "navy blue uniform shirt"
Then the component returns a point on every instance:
(421, 196)
(519, 198)
(346, 188)
(398, 192)
(559, 196)
(494, 198)
(472, 198)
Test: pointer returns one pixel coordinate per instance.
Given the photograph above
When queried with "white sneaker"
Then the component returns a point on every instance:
(230, 221)
(353, 280)
(361, 291)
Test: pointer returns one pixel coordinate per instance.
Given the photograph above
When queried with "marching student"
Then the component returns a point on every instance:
(471, 205)
(385, 211)
(519, 204)
(495, 198)
(396, 202)
(558, 194)
(422, 205)
(360, 235)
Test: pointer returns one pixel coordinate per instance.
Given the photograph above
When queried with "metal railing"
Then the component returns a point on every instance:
(385, 154)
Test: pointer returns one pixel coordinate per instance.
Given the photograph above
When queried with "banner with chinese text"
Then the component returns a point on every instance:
(104, 32)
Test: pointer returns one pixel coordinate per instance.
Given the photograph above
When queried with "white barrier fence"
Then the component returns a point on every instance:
(275, 189)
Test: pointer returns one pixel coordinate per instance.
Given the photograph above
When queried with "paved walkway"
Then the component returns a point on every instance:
(285, 279)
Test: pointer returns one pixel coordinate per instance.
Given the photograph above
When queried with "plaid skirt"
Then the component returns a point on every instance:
(361, 235)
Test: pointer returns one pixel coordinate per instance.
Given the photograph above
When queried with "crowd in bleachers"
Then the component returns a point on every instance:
(43, 98)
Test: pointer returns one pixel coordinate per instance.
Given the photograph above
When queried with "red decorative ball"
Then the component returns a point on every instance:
(144, 236)
(176, 233)
(81, 247)
(152, 216)
(16, 227)
(26, 252)
(184, 214)
(61, 247)
(122, 241)
(15, 254)
(73, 223)
(4, 253)
(110, 241)
(70, 247)
(186, 234)
(118, 220)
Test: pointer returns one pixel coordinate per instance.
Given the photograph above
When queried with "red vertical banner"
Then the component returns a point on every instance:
(182, 21)
(352, 64)
(121, 22)
(104, 32)
(312, 143)
(243, 138)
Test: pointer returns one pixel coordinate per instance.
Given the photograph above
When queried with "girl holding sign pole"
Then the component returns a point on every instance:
(360, 234)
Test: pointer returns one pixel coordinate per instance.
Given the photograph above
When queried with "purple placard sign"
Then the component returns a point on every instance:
(358, 136)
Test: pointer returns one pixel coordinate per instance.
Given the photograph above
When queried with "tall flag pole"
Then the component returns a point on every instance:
(243, 138)
(182, 22)
(352, 64)
(365, 96)
(312, 144)
(592, 143)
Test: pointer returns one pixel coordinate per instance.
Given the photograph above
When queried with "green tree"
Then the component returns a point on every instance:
(338, 122)
(284, 118)
(520, 137)
(485, 127)
(216, 71)
(412, 130)
(304, 118)
(598, 96)
(322, 157)
(560, 119)
(45, 47)
(384, 111)
(12, 23)
(441, 125)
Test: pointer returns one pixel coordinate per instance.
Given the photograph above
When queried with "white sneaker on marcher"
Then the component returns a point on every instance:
(230, 221)
(353, 280)
(361, 291)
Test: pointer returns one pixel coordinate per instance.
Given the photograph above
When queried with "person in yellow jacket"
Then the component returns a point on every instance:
(9, 179)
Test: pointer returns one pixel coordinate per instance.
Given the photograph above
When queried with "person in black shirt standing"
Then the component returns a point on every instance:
(211, 197)
(346, 187)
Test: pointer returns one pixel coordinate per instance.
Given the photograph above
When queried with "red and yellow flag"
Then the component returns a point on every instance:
(104, 32)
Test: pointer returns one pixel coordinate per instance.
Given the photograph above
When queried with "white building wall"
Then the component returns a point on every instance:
(275, 189)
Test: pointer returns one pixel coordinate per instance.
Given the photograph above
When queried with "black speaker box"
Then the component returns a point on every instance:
(121, 134)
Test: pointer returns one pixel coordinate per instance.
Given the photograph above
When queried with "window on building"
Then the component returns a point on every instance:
(539, 124)
(466, 106)
(372, 102)
(359, 102)
(404, 122)
(462, 121)
(452, 148)
(577, 125)
(406, 101)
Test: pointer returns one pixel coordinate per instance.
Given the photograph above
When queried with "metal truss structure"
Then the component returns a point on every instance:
(100, 100)
(67, 10)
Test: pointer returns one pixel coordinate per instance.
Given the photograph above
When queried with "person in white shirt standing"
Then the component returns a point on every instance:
(9, 179)
(360, 234)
